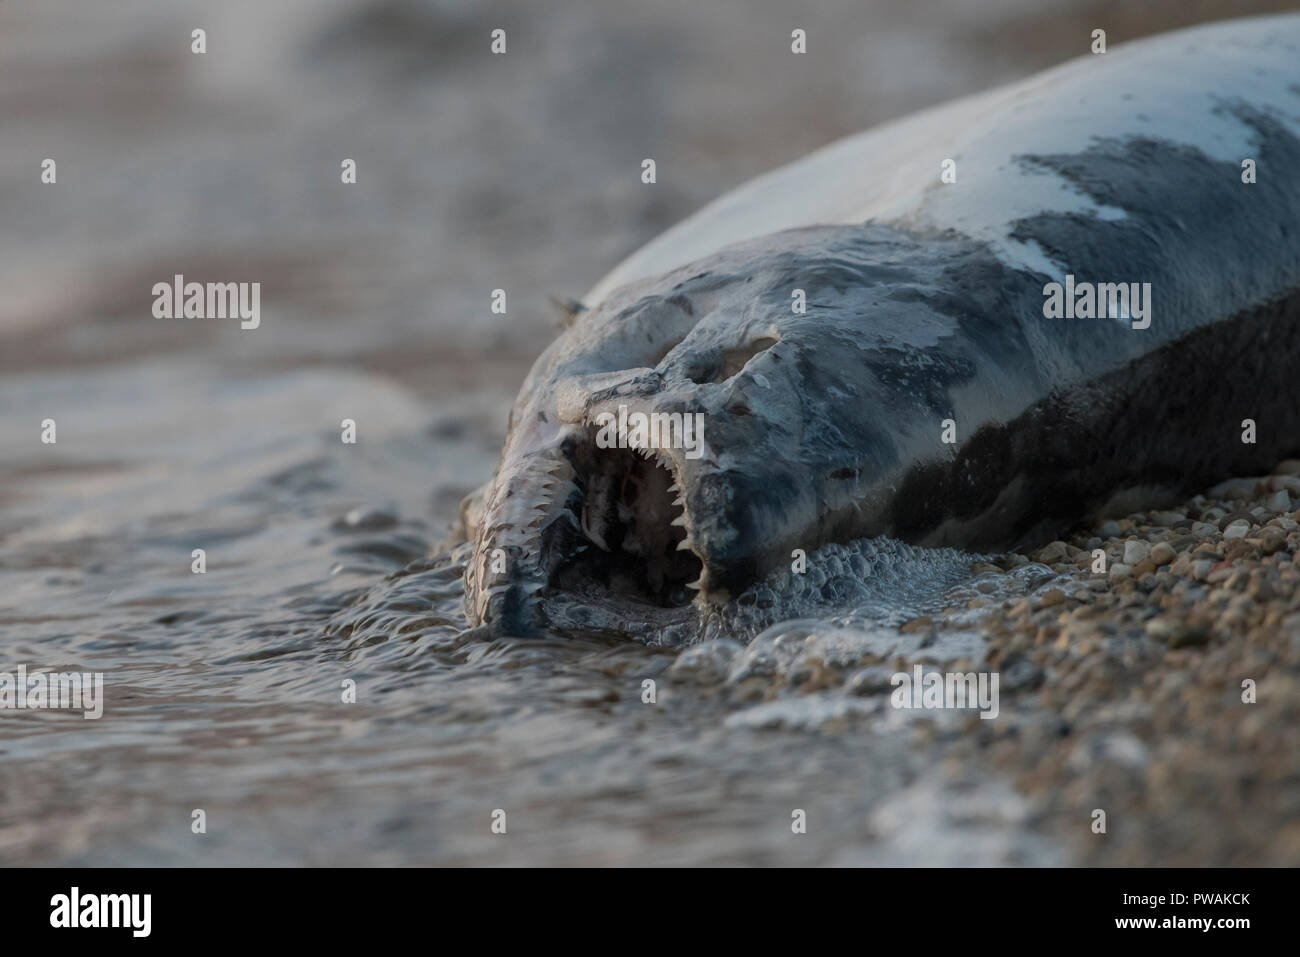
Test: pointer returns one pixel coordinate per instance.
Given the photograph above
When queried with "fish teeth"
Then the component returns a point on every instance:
(679, 520)
(684, 545)
(697, 584)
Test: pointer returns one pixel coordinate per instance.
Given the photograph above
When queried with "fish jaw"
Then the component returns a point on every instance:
(526, 522)
(570, 522)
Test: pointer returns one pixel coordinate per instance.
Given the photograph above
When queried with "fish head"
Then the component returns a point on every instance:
(683, 437)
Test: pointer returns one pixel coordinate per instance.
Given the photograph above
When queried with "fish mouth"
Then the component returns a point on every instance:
(602, 527)
(635, 525)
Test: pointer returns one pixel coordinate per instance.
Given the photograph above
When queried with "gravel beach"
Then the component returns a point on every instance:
(1162, 690)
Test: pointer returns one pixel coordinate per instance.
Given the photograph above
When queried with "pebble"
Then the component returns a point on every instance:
(1272, 540)
(1053, 553)
(872, 680)
(1150, 652)
(1053, 596)
(1289, 482)
(1135, 551)
(1238, 529)
(1163, 554)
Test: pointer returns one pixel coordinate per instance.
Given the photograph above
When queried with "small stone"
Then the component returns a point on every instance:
(1109, 529)
(1135, 551)
(1053, 553)
(1204, 529)
(1051, 597)
(1272, 540)
(1242, 548)
(1120, 570)
(1279, 501)
(1021, 674)
(1290, 483)
(1218, 575)
(1238, 515)
(1259, 588)
(1163, 554)
(1238, 529)
(916, 625)
(1188, 636)
(873, 680)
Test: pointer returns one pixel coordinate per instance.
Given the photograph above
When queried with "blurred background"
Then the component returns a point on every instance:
(474, 172)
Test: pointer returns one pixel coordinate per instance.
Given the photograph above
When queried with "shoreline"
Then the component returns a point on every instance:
(1172, 676)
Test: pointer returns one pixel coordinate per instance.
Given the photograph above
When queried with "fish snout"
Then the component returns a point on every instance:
(583, 515)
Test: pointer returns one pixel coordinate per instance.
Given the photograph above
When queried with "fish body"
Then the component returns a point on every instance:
(971, 327)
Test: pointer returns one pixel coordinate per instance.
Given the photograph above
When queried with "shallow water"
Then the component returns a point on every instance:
(224, 689)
